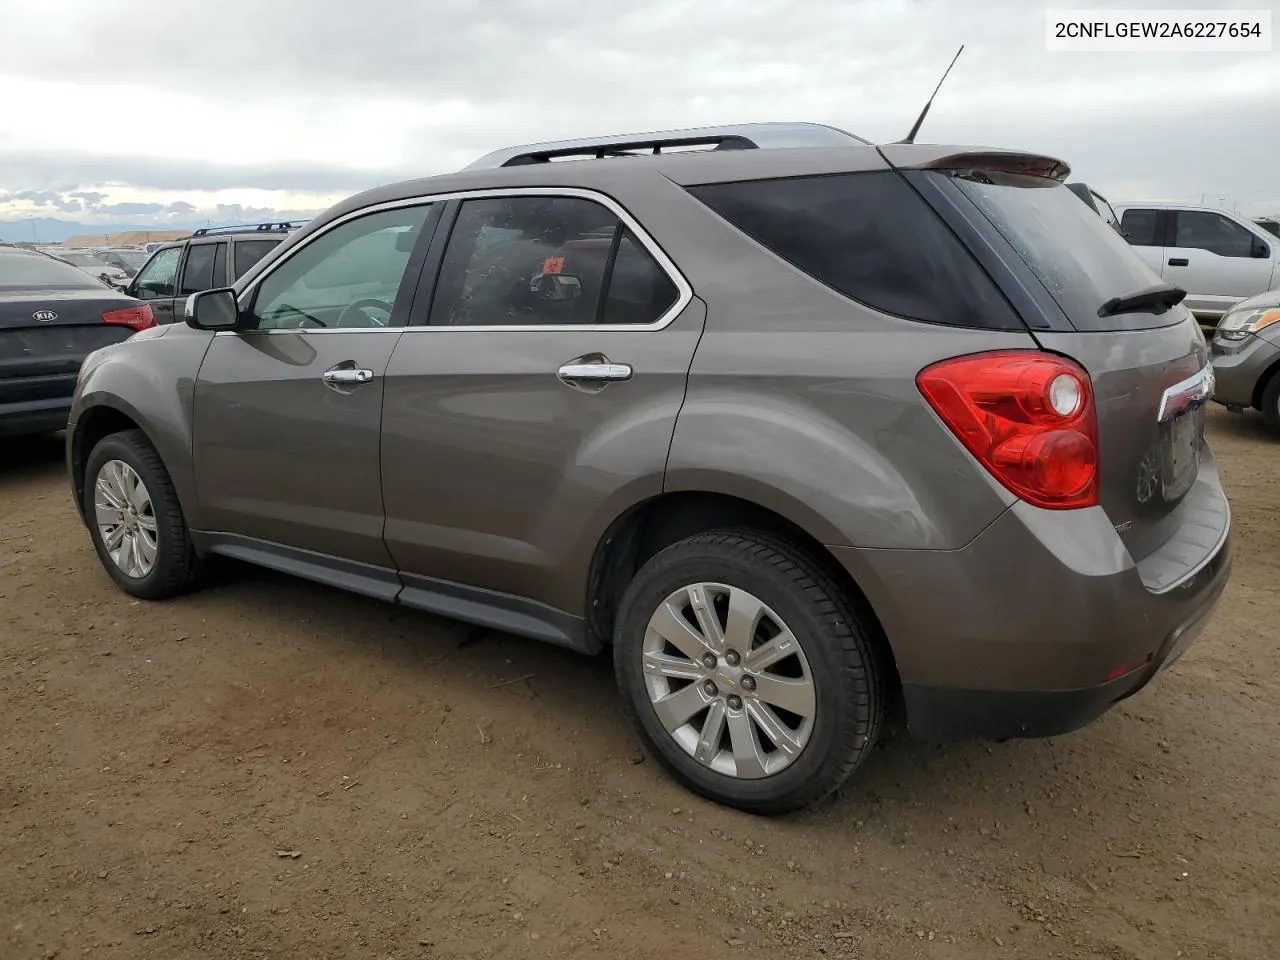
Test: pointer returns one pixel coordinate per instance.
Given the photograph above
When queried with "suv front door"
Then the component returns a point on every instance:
(537, 394)
(287, 410)
(157, 283)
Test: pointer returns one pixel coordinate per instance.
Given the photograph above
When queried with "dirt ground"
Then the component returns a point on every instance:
(272, 769)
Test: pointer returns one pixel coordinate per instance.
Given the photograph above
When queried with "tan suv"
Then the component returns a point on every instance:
(792, 422)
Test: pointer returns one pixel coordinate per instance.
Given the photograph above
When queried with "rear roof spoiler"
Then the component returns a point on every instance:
(930, 157)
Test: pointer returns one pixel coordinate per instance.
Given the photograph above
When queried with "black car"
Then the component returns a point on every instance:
(52, 315)
(211, 257)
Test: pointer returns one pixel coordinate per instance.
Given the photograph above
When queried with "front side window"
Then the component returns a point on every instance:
(1201, 230)
(156, 279)
(547, 261)
(347, 277)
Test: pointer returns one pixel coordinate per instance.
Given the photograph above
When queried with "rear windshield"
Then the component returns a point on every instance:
(1081, 260)
(37, 270)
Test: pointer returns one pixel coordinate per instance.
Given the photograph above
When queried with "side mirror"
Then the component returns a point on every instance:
(212, 310)
(1261, 251)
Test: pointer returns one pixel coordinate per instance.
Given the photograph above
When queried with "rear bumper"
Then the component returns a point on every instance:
(1044, 621)
(1237, 367)
(31, 417)
(947, 713)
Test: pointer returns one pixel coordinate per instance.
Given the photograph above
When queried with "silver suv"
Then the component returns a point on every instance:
(793, 423)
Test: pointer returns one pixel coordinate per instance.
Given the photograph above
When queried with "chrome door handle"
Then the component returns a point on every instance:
(595, 371)
(347, 375)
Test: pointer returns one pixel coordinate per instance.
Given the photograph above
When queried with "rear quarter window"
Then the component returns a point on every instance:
(249, 252)
(871, 237)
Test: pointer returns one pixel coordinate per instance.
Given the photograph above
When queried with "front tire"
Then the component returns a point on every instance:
(135, 518)
(748, 671)
(1271, 404)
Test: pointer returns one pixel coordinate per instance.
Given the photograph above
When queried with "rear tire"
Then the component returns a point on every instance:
(149, 553)
(1271, 404)
(726, 751)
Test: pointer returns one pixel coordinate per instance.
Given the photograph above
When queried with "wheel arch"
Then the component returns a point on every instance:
(651, 525)
(96, 421)
(1260, 386)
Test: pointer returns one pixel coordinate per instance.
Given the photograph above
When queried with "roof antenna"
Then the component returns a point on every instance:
(911, 137)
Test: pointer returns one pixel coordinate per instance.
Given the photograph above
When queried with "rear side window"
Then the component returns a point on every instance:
(872, 238)
(547, 261)
(249, 252)
(1081, 261)
(197, 272)
(1141, 227)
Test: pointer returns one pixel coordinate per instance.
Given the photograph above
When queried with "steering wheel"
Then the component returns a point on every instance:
(349, 311)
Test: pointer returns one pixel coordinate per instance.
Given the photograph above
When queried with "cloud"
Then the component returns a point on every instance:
(42, 170)
(131, 209)
(41, 198)
(326, 97)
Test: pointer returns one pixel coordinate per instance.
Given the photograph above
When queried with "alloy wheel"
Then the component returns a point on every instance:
(728, 680)
(126, 519)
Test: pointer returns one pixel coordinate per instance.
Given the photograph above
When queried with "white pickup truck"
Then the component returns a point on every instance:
(1218, 257)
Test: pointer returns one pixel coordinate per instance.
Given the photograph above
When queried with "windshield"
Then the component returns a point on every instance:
(81, 259)
(37, 270)
(1082, 261)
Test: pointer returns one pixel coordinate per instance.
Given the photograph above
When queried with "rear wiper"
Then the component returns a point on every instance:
(1154, 299)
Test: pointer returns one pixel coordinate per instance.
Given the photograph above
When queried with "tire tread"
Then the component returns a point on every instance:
(178, 565)
(862, 672)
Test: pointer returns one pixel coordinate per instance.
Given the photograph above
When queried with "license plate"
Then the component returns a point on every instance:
(1183, 464)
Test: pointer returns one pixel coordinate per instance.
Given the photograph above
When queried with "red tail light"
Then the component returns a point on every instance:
(1027, 416)
(139, 317)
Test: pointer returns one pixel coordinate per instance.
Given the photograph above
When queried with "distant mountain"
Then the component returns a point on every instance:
(53, 230)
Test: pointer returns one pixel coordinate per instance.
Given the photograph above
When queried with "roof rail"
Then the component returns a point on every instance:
(740, 136)
(245, 227)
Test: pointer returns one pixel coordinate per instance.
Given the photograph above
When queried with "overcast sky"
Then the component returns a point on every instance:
(143, 110)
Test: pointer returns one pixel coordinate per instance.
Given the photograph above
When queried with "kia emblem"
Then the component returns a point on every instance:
(44, 316)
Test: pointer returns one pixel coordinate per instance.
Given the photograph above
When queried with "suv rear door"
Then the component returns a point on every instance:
(533, 396)
(203, 268)
(287, 410)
